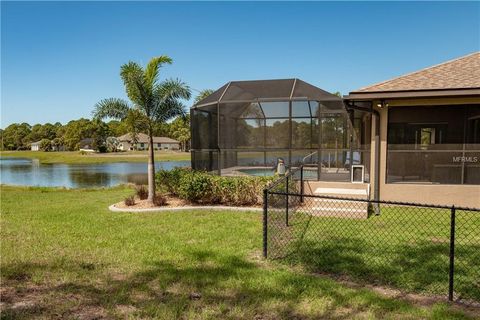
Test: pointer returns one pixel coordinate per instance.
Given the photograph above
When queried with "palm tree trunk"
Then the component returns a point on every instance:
(151, 168)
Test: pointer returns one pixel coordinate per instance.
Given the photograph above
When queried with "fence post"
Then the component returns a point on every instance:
(452, 254)
(302, 187)
(286, 202)
(265, 222)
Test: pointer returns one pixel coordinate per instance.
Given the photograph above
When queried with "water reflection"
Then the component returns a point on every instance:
(18, 171)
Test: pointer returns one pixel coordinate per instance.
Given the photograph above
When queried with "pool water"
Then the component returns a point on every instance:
(268, 172)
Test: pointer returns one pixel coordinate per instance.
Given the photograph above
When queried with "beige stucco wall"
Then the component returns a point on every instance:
(459, 195)
(124, 146)
(171, 146)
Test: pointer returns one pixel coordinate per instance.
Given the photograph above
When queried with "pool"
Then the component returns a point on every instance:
(260, 172)
(308, 174)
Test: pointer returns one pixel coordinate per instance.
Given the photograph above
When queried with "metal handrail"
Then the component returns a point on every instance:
(308, 156)
(287, 175)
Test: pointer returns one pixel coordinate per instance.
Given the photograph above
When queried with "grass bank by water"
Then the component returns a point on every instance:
(64, 255)
(77, 157)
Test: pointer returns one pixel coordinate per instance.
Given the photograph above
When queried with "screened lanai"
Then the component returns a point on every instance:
(245, 127)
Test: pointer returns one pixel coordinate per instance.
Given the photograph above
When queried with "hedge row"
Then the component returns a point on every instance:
(202, 187)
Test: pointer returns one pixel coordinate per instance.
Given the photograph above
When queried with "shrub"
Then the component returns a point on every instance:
(142, 192)
(169, 180)
(197, 186)
(102, 149)
(159, 200)
(240, 190)
(130, 201)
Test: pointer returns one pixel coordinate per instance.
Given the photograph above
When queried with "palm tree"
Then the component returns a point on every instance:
(158, 102)
(202, 95)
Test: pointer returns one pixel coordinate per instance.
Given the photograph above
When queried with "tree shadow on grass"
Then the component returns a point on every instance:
(204, 285)
(421, 266)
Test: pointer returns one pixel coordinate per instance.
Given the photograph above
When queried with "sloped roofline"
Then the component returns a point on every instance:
(363, 89)
(295, 82)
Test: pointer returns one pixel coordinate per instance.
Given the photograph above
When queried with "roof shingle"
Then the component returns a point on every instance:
(460, 73)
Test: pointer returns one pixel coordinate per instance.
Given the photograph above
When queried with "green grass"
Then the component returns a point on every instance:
(77, 157)
(64, 255)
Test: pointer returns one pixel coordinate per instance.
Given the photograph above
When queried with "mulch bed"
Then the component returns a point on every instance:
(172, 202)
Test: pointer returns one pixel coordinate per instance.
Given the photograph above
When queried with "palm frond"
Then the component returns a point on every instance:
(169, 109)
(167, 98)
(172, 89)
(113, 108)
(152, 69)
(202, 95)
(132, 75)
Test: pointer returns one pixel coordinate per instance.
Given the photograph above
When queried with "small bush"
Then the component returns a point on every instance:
(142, 192)
(197, 187)
(102, 149)
(240, 190)
(159, 200)
(169, 180)
(130, 201)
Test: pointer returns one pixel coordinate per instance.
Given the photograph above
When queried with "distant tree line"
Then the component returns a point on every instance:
(20, 136)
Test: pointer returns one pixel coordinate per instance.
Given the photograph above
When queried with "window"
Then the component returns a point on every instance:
(434, 144)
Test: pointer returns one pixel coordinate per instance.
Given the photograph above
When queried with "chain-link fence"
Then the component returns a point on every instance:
(418, 248)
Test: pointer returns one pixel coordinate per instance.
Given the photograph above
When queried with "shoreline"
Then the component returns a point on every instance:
(75, 157)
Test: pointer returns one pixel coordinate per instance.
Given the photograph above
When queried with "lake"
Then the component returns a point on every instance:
(30, 172)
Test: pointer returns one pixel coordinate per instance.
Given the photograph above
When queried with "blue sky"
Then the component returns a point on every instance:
(59, 58)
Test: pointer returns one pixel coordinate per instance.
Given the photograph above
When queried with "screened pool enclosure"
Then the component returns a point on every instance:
(245, 127)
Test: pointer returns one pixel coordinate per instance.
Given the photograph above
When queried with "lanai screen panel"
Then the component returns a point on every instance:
(204, 126)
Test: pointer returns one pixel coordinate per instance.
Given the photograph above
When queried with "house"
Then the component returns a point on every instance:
(35, 146)
(425, 142)
(415, 138)
(159, 143)
(86, 145)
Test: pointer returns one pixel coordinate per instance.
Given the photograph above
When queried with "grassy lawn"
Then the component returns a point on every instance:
(64, 255)
(77, 157)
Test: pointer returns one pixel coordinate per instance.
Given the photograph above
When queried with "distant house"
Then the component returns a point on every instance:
(58, 148)
(159, 143)
(35, 146)
(86, 145)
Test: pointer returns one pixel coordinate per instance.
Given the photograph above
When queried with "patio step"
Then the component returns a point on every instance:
(326, 207)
